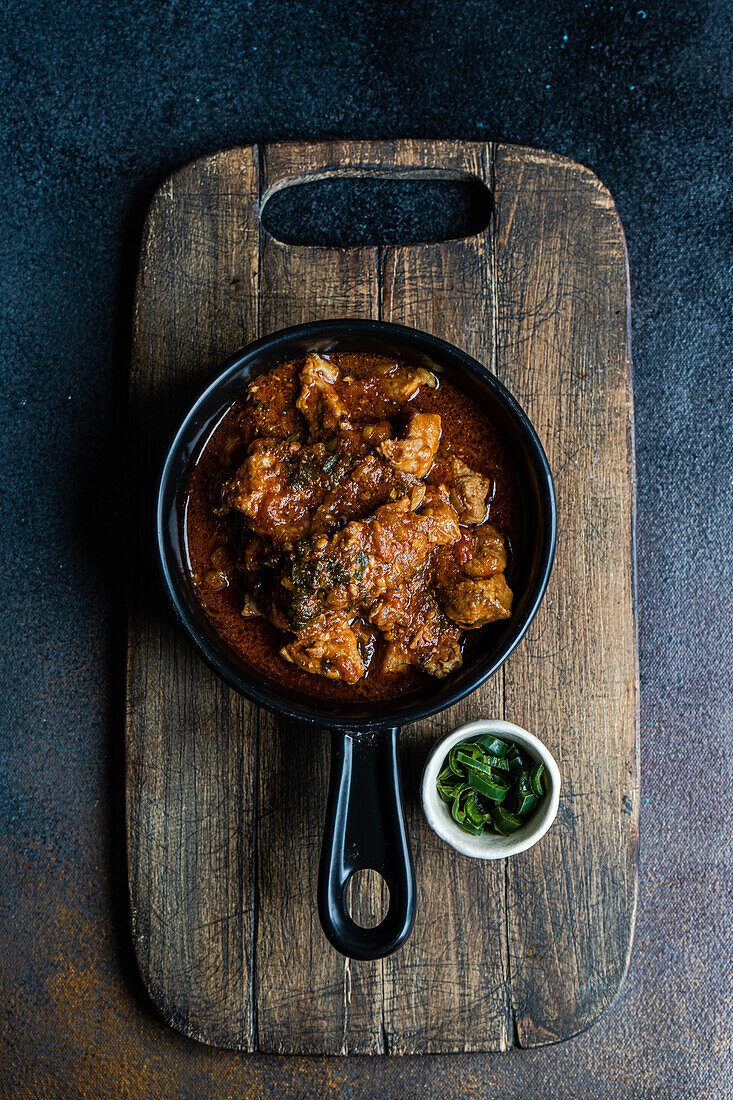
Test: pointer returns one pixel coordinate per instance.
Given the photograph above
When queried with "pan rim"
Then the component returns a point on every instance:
(169, 481)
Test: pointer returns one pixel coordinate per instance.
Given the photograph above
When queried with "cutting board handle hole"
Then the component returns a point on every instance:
(367, 898)
(374, 209)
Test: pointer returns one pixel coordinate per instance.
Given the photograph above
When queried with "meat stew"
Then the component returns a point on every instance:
(349, 522)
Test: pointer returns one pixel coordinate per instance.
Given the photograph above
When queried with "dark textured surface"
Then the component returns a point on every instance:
(376, 212)
(99, 102)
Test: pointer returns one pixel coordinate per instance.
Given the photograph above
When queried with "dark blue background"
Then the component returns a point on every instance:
(99, 102)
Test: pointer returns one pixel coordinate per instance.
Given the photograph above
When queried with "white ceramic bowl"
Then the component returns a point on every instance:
(489, 845)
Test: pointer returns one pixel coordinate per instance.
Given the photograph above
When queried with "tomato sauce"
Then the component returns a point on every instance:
(466, 434)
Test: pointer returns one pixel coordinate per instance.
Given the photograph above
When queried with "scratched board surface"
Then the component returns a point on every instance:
(225, 802)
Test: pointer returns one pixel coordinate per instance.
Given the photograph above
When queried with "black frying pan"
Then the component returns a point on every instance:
(365, 821)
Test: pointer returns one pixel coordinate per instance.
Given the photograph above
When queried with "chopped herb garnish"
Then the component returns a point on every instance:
(305, 473)
(361, 561)
(311, 578)
(490, 784)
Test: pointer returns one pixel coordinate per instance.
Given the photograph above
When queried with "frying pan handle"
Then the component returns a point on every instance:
(365, 828)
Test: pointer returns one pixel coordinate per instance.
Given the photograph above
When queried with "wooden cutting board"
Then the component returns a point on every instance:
(225, 803)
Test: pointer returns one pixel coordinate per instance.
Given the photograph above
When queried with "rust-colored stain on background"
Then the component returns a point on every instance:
(75, 1023)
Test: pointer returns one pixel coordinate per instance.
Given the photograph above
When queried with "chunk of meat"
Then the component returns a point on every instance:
(277, 488)
(217, 579)
(396, 659)
(318, 399)
(364, 487)
(445, 654)
(357, 565)
(382, 389)
(415, 452)
(221, 573)
(402, 382)
(488, 553)
(374, 434)
(250, 608)
(252, 554)
(473, 603)
(260, 473)
(416, 630)
(397, 607)
(470, 578)
(470, 493)
(327, 647)
(270, 406)
(480, 552)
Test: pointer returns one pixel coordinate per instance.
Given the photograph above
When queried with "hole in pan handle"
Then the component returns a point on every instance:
(365, 829)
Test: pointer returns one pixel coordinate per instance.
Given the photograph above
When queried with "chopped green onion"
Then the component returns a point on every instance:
(474, 814)
(457, 810)
(504, 822)
(473, 762)
(519, 762)
(467, 753)
(452, 763)
(525, 804)
(493, 745)
(483, 763)
(522, 783)
(490, 784)
(536, 779)
(499, 762)
(496, 791)
(447, 775)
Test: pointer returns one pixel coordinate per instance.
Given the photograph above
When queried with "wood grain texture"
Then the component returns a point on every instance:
(460, 1000)
(563, 351)
(307, 997)
(191, 742)
(224, 805)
